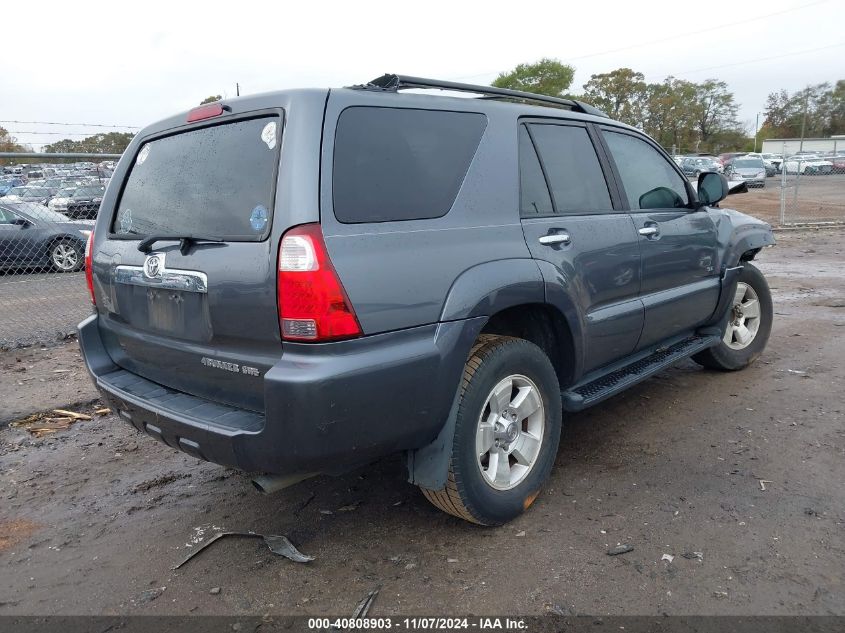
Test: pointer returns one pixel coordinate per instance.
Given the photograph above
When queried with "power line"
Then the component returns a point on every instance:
(130, 127)
(59, 133)
(707, 30)
(671, 37)
(759, 59)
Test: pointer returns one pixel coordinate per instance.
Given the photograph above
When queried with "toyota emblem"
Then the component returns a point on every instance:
(154, 266)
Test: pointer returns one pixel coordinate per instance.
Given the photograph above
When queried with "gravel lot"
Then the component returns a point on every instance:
(41, 307)
(92, 518)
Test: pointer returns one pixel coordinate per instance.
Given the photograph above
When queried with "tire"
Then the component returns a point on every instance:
(472, 492)
(66, 256)
(734, 353)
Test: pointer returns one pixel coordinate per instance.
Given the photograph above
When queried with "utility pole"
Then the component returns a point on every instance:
(756, 127)
(237, 89)
(804, 118)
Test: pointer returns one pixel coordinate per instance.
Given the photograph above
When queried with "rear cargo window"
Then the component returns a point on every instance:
(216, 181)
(401, 164)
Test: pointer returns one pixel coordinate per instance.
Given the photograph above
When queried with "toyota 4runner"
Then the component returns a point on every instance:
(300, 282)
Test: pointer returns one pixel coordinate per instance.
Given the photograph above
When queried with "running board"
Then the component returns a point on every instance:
(595, 388)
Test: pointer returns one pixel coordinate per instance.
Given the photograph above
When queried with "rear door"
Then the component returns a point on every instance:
(573, 220)
(680, 278)
(197, 316)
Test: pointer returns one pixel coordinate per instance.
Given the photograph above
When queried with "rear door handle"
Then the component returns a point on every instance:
(555, 238)
(649, 231)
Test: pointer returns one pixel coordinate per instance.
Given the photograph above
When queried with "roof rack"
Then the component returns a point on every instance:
(394, 83)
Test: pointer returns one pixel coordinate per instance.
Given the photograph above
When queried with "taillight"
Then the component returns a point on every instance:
(312, 303)
(89, 274)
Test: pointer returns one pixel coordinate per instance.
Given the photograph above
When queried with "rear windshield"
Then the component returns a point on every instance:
(216, 181)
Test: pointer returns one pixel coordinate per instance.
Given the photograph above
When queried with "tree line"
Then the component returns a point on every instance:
(689, 116)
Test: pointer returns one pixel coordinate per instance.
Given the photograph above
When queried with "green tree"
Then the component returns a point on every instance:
(211, 99)
(546, 77)
(714, 113)
(106, 143)
(9, 143)
(819, 109)
(621, 93)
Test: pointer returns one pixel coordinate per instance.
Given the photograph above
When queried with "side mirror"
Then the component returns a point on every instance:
(712, 188)
(21, 222)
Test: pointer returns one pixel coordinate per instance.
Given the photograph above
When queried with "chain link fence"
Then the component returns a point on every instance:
(47, 211)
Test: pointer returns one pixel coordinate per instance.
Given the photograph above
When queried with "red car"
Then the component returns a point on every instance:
(838, 164)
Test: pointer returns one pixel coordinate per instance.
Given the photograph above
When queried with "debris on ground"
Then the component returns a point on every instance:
(277, 544)
(41, 424)
(72, 414)
(363, 607)
(103, 411)
(693, 555)
(214, 591)
(667, 557)
(620, 549)
(763, 483)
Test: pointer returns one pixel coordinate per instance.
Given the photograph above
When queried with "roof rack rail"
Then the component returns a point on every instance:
(394, 83)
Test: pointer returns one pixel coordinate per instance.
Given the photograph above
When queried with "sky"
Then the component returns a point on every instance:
(129, 64)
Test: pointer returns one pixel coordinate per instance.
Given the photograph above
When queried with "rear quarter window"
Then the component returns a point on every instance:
(393, 164)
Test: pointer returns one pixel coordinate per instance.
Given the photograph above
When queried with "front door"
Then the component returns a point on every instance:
(680, 277)
(571, 221)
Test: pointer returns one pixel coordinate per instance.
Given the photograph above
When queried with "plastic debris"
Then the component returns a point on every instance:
(277, 544)
(363, 607)
(667, 557)
(763, 483)
(620, 549)
(693, 555)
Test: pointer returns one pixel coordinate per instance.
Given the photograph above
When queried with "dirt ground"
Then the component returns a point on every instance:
(746, 469)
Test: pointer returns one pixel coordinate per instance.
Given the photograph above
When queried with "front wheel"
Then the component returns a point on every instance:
(507, 432)
(749, 325)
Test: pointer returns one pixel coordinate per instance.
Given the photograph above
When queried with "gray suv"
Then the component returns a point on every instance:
(303, 281)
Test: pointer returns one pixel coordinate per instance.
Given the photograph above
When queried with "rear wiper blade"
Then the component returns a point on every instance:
(185, 241)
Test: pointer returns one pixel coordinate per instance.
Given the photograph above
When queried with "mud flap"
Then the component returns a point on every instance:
(429, 466)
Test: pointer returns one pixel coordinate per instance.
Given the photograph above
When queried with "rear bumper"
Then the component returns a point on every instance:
(328, 407)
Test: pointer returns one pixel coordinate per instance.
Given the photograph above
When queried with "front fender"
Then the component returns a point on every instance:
(738, 233)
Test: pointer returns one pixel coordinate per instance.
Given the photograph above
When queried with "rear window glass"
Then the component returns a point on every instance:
(216, 181)
(401, 164)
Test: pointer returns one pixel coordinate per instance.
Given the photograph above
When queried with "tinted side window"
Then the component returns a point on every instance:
(401, 164)
(533, 193)
(572, 167)
(648, 178)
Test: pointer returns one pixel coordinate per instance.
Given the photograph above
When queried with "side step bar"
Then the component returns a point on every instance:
(599, 386)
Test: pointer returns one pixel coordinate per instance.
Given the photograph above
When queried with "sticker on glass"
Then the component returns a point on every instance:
(142, 155)
(258, 219)
(125, 221)
(268, 134)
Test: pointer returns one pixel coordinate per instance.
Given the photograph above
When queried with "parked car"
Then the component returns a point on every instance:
(774, 159)
(85, 202)
(475, 267)
(33, 237)
(8, 183)
(838, 163)
(25, 193)
(695, 166)
(63, 196)
(729, 156)
(808, 164)
(751, 170)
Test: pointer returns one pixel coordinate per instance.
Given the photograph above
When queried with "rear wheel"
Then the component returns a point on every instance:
(66, 256)
(749, 326)
(506, 432)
